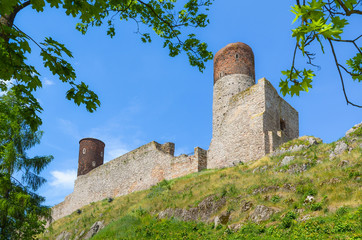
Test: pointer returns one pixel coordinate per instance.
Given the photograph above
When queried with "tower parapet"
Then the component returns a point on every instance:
(234, 58)
(91, 155)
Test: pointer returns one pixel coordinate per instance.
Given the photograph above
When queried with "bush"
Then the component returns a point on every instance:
(275, 199)
(316, 206)
(288, 219)
(342, 210)
(156, 190)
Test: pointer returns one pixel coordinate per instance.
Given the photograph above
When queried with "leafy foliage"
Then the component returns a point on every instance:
(20, 207)
(321, 21)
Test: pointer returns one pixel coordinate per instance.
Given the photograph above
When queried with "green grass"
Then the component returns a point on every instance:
(332, 226)
(336, 211)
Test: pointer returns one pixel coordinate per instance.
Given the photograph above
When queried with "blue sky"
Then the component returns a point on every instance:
(146, 95)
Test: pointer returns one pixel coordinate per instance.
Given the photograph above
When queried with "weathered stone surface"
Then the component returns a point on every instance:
(353, 129)
(307, 143)
(248, 124)
(265, 189)
(79, 235)
(96, 227)
(340, 147)
(343, 163)
(246, 206)
(137, 170)
(223, 218)
(286, 160)
(304, 218)
(289, 187)
(64, 236)
(260, 169)
(234, 227)
(298, 168)
(261, 213)
(202, 212)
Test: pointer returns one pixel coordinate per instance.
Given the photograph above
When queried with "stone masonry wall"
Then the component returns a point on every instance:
(239, 136)
(280, 119)
(224, 89)
(133, 171)
(254, 122)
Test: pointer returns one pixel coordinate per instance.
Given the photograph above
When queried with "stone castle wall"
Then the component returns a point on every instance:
(239, 135)
(281, 121)
(250, 126)
(137, 170)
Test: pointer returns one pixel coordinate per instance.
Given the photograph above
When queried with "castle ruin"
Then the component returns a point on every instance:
(249, 121)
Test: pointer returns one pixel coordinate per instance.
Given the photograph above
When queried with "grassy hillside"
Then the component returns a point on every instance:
(306, 190)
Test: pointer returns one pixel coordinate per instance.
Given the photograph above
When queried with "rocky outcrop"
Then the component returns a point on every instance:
(300, 144)
(261, 213)
(96, 227)
(353, 130)
(64, 236)
(223, 218)
(204, 210)
(340, 148)
(286, 160)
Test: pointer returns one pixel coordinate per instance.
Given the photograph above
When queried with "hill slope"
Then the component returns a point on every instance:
(304, 190)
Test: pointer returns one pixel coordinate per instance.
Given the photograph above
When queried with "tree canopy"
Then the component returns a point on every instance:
(322, 22)
(21, 208)
(167, 19)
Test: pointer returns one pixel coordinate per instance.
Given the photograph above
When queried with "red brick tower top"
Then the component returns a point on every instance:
(91, 153)
(235, 58)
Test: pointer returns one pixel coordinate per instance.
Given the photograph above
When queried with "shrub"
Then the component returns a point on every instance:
(288, 219)
(316, 206)
(342, 210)
(275, 199)
(156, 190)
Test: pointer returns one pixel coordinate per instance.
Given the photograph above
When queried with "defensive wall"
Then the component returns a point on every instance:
(133, 171)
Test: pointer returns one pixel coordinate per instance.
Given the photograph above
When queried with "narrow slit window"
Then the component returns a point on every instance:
(282, 125)
(84, 150)
(236, 56)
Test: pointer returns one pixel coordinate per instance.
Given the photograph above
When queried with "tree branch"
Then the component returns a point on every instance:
(340, 75)
(345, 69)
(348, 12)
(161, 19)
(292, 68)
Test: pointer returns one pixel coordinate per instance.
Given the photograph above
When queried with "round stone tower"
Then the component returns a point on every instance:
(234, 72)
(91, 154)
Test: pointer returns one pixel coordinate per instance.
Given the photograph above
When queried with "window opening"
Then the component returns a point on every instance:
(84, 150)
(282, 124)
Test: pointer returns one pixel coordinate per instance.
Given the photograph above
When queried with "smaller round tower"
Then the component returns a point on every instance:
(234, 72)
(91, 155)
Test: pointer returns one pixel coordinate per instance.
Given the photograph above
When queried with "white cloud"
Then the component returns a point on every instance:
(47, 82)
(63, 179)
